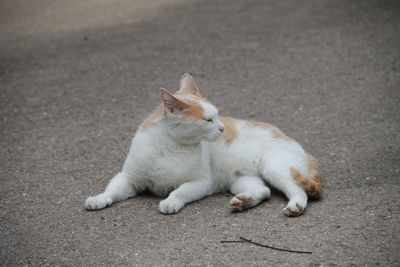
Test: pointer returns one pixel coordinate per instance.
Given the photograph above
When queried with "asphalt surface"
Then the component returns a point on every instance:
(77, 78)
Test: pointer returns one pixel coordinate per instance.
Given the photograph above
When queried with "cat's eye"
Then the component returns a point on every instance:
(208, 120)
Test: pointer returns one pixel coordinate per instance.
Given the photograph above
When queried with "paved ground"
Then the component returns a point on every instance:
(76, 77)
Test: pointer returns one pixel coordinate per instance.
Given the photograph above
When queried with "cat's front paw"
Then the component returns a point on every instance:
(294, 209)
(97, 202)
(171, 205)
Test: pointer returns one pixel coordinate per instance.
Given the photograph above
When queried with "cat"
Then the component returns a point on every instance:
(184, 151)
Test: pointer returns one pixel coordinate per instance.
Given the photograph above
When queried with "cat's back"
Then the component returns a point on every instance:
(245, 147)
(243, 132)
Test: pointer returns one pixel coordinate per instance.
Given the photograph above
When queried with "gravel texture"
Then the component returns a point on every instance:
(77, 78)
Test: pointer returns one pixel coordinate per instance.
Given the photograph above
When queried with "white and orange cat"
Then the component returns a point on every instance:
(185, 151)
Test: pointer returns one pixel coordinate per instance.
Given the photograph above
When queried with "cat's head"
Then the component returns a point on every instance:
(191, 118)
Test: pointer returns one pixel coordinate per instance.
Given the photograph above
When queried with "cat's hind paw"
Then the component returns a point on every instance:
(294, 209)
(171, 205)
(240, 202)
(97, 202)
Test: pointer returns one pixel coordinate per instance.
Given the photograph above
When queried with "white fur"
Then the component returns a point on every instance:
(184, 160)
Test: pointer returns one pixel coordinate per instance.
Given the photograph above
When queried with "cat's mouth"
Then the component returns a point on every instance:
(213, 137)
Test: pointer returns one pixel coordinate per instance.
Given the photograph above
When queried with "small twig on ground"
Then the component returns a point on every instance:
(244, 240)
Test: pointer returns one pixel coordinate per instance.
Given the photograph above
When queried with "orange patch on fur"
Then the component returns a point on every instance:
(312, 183)
(274, 130)
(189, 97)
(194, 111)
(192, 108)
(155, 116)
(230, 133)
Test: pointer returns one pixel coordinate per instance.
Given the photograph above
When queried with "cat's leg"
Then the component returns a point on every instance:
(282, 179)
(185, 193)
(249, 191)
(119, 188)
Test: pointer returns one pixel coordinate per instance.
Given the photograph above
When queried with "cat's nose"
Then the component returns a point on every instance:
(221, 129)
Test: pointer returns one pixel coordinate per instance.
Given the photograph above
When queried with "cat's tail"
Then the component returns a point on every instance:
(311, 183)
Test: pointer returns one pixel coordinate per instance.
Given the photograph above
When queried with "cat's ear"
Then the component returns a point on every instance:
(171, 103)
(187, 85)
